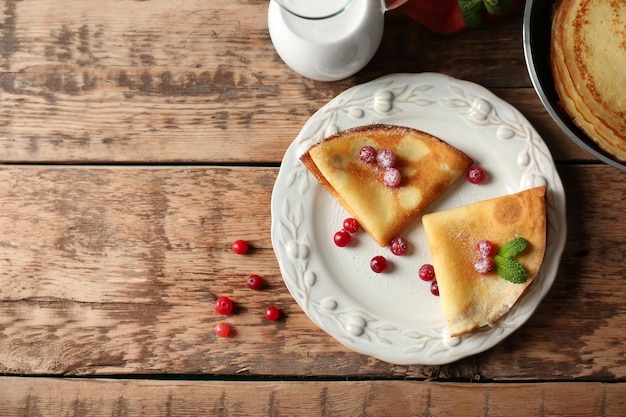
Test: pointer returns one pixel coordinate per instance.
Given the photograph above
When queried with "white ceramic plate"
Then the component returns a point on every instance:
(393, 316)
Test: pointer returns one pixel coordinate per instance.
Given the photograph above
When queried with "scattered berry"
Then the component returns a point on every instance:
(367, 154)
(223, 305)
(476, 175)
(434, 288)
(399, 246)
(427, 272)
(386, 158)
(222, 330)
(342, 238)
(483, 265)
(486, 248)
(392, 177)
(351, 225)
(254, 282)
(240, 247)
(378, 264)
(272, 313)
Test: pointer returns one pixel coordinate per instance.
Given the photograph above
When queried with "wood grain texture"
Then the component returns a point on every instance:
(41, 397)
(140, 138)
(174, 81)
(113, 270)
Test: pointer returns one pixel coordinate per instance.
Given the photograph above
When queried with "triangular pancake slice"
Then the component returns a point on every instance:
(427, 164)
(470, 300)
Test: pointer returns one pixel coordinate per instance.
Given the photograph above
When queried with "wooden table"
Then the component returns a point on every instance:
(139, 139)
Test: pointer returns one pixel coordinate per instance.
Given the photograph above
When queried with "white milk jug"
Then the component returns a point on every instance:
(327, 40)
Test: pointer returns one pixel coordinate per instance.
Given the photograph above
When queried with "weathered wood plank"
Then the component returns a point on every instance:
(41, 397)
(172, 81)
(113, 270)
(492, 55)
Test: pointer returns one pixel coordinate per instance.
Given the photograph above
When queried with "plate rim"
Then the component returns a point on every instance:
(556, 190)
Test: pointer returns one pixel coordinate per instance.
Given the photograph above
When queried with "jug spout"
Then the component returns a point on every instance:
(315, 10)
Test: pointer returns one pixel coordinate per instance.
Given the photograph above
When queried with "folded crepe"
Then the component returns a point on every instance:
(471, 300)
(428, 167)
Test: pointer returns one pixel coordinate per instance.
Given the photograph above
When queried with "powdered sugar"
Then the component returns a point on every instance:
(386, 158)
(392, 177)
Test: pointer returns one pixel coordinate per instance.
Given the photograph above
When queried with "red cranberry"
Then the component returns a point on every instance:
(392, 177)
(367, 154)
(386, 158)
(240, 247)
(378, 264)
(483, 265)
(399, 246)
(427, 272)
(434, 288)
(254, 282)
(223, 305)
(351, 225)
(476, 175)
(222, 330)
(272, 313)
(486, 248)
(342, 238)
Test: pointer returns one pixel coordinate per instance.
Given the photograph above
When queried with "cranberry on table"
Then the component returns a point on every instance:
(240, 247)
(272, 313)
(222, 330)
(378, 264)
(254, 282)
(342, 238)
(224, 305)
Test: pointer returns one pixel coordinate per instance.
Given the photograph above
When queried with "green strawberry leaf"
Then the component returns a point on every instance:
(510, 269)
(472, 12)
(497, 6)
(513, 247)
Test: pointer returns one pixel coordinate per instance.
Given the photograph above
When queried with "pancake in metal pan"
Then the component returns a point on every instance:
(588, 58)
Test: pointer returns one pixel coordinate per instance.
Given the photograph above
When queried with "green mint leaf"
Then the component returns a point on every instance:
(472, 12)
(497, 6)
(510, 269)
(513, 247)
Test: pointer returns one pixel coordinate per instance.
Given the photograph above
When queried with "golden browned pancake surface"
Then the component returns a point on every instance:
(588, 54)
(470, 300)
(427, 164)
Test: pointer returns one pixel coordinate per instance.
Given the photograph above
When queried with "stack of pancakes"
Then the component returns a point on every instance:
(589, 66)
